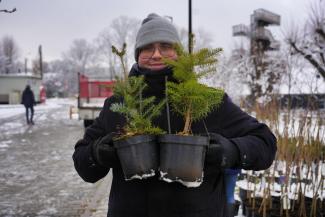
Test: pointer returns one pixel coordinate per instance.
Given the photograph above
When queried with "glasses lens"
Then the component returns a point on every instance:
(165, 50)
(147, 52)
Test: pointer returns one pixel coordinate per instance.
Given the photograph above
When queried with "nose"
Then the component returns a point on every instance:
(156, 53)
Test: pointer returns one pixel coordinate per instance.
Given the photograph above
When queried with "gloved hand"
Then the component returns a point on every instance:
(222, 152)
(104, 152)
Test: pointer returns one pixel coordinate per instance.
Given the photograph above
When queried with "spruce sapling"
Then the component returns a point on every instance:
(139, 111)
(188, 97)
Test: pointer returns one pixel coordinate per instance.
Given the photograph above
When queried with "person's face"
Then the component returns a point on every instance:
(151, 56)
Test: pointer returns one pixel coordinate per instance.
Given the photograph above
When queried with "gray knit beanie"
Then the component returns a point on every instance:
(155, 28)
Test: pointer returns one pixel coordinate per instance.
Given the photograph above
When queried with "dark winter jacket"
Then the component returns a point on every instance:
(28, 99)
(154, 198)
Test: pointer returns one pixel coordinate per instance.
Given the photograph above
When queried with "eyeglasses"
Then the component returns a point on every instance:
(165, 50)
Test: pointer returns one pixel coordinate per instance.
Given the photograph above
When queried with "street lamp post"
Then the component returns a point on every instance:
(190, 35)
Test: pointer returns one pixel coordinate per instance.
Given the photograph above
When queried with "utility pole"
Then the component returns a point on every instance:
(25, 65)
(40, 61)
(190, 34)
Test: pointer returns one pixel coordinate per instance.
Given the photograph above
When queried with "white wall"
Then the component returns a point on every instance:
(13, 86)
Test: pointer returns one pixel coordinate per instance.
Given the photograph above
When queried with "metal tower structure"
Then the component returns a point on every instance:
(261, 40)
(257, 33)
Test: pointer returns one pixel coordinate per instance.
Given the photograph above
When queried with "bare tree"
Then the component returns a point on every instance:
(309, 42)
(122, 30)
(202, 38)
(7, 11)
(79, 54)
(77, 59)
(2, 60)
(261, 78)
(265, 75)
(9, 54)
(228, 78)
(58, 78)
(104, 49)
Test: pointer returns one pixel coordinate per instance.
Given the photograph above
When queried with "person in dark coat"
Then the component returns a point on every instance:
(28, 100)
(237, 140)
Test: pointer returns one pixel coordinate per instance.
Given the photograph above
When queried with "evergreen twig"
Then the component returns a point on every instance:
(139, 111)
(188, 97)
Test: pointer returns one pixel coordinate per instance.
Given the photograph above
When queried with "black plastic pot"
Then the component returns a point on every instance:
(182, 158)
(139, 156)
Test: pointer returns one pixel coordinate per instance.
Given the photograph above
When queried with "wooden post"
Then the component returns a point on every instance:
(40, 61)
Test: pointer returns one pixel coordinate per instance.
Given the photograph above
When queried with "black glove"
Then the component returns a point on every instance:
(222, 152)
(104, 152)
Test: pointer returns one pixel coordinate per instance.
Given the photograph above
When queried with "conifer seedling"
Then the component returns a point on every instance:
(138, 110)
(188, 97)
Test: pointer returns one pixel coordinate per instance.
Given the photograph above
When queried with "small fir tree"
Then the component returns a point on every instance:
(138, 111)
(188, 97)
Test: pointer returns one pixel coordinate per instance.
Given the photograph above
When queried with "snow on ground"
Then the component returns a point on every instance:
(10, 110)
(37, 175)
(13, 121)
(7, 111)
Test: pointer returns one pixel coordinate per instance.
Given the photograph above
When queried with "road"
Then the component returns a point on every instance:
(37, 175)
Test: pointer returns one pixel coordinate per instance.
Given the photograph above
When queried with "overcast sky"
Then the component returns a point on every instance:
(56, 23)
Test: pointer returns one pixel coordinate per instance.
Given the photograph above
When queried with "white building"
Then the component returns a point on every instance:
(13, 85)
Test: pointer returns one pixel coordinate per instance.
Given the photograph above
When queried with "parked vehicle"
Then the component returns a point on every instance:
(92, 94)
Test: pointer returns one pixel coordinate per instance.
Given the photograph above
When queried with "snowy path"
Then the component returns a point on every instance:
(37, 175)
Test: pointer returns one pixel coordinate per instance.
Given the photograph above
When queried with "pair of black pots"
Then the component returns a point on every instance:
(177, 158)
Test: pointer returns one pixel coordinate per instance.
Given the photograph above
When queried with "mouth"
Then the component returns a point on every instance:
(157, 66)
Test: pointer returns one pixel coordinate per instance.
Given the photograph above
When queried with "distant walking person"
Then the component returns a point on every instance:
(28, 100)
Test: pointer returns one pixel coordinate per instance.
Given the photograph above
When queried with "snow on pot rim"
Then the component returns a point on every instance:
(185, 183)
(143, 176)
(138, 156)
(182, 158)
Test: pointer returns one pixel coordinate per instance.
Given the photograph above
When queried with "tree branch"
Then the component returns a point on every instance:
(309, 58)
(320, 32)
(321, 54)
(8, 11)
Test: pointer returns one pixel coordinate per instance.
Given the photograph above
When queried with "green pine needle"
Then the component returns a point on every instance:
(188, 97)
(139, 111)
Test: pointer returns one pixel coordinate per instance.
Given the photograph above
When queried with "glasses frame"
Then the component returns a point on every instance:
(165, 49)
